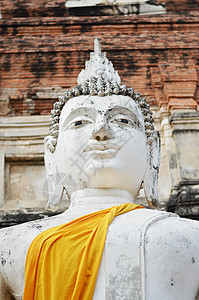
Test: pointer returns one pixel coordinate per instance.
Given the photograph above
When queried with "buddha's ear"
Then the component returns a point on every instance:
(55, 187)
(150, 182)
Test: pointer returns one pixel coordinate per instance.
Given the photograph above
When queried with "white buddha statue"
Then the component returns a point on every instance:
(103, 147)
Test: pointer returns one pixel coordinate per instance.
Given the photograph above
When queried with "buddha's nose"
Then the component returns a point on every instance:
(102, 131)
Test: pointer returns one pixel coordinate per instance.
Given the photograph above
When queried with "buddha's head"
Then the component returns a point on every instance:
(101, 136)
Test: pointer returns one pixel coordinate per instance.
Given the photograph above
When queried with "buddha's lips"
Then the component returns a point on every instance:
(101, 146)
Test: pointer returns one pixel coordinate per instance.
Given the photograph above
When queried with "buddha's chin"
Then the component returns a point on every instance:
(102, 170)
(101, 164)
(108, 175)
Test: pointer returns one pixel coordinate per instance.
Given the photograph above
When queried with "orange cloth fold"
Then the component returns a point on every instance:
(62, 262)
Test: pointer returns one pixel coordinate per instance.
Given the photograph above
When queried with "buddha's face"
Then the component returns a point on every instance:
(101, 143)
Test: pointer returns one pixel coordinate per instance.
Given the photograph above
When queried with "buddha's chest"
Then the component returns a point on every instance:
(119, 275)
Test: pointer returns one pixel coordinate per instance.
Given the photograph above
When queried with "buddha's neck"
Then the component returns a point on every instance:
(97, 199)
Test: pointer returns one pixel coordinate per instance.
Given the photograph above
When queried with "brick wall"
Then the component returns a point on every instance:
(41, 55)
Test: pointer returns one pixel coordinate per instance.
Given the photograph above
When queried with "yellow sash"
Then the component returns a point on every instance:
(62, 262)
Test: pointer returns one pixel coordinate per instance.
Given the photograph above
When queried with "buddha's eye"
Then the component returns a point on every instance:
(78, 123)
(125, 121)
(122, 121)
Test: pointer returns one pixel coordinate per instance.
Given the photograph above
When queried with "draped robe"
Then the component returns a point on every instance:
(63, 261)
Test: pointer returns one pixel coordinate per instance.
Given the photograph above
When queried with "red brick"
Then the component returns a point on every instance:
(151, 53)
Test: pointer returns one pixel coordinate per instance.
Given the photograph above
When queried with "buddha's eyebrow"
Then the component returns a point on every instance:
(125, 111)
(80, 111)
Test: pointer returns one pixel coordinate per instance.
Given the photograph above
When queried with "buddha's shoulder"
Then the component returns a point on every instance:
(157, 225)
(23, 234)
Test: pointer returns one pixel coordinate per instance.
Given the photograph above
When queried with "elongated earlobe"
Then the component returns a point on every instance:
(55, 186)
(150, 182)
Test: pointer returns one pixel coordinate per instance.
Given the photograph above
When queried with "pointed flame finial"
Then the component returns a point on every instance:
(98, 66)
(97, 47)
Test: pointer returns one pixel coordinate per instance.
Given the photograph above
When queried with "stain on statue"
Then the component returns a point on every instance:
(101, 148)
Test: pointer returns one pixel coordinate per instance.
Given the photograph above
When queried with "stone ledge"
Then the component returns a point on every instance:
(24, 127)
(16, 217)
(185, 200)
(184, 120)
(181, 115)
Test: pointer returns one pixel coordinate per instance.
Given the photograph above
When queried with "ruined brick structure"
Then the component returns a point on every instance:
(154, 45)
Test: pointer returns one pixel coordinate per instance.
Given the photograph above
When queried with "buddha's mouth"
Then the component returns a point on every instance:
(102, 150)
(102, 154)
(101, 147)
